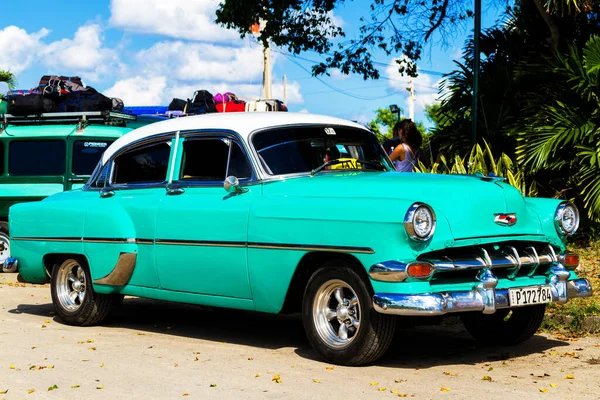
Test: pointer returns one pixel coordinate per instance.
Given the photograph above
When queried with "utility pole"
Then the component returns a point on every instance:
(267, 72)
(476, 55)
(411, 104)
(284, 89)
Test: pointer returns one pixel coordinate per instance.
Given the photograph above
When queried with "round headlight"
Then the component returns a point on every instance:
(566, 219)
(419, 222)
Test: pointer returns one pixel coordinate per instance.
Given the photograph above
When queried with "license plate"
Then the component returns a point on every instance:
(526, 296)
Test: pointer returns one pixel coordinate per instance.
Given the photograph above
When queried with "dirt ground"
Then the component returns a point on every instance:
(160, 350)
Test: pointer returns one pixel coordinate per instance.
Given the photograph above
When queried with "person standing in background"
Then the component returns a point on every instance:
(406, 153)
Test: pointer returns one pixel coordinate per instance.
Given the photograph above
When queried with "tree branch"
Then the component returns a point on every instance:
(438, 22)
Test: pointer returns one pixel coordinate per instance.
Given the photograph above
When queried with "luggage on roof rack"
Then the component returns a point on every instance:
(81, 118)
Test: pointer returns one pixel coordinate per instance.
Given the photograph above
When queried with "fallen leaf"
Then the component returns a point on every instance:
(450, 374)
(196, 359)
(4, 392)
(543, 390)
(329, 368)
(43, 326)
(213, 385)
(490, 369)
(80, 342)
(12, 367)
(487, 378)
(75, 386)
(399, 380)
(382, 389)
(102, 365)
(50, 366)
(92, 348)
(176, 365)
(569, 377)
(33, 347)
(32, 367)
(47, 321)
(395, 391)
(553, 385)
(140, 334)
(196, 352)
(257, 375)
(30, 391)
(52, 387)
(90, 340)
(445, 389)
(276, 378)
(250, 358)
(402, 394)
(374, 383)
(100, 387)
(185, 394)
(316, 380)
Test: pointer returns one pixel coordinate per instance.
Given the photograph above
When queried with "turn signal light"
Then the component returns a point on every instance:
(420, 270)
(571, 260)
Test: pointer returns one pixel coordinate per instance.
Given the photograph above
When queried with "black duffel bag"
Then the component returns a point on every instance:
(31, 104)
(86, 100)
(177, 105)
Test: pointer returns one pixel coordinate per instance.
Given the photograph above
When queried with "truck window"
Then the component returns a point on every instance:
(1, 158)
(86, 155)
(36, 157)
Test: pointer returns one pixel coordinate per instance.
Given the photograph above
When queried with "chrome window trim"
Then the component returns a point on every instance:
(212, 134)
(266, 177)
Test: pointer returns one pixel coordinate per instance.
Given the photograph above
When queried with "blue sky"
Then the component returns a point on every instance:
(149, 51)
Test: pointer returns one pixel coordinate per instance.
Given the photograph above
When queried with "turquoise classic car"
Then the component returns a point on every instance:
(278, 212)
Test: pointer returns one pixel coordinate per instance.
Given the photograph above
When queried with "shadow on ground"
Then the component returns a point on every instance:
(413, 346)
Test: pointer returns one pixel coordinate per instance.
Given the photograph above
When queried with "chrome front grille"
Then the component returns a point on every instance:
(506, 259)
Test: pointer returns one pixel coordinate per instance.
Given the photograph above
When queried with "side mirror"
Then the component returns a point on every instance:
(232, 185)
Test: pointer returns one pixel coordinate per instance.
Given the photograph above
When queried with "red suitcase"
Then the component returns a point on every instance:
(232, 106)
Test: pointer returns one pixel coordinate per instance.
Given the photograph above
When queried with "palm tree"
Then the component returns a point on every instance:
(9, 78)
(560, 133)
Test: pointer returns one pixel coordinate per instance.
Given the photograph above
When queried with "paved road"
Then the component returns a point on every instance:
(160, 350)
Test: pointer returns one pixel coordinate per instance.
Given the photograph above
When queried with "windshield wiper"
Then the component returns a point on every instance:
(326, 164)
(374, 163)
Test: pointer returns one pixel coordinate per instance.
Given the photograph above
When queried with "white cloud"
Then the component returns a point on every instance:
(304, 111)
(18, 49)
(338, 76)
(82, 55)
(139, 91)
(181, 19)
(202, 61)
(425, 87)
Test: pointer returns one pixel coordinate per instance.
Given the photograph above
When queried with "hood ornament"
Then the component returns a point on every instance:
(508, 219)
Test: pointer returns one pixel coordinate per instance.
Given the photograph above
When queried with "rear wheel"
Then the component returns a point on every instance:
(505, 326)
(4, 243)
(74, 298)
(339, 319)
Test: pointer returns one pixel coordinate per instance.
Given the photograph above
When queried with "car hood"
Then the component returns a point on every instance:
(469, 203)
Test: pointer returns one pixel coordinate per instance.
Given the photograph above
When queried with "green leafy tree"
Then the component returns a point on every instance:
(10, 79)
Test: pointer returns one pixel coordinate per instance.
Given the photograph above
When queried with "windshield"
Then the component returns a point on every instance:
(305, 149)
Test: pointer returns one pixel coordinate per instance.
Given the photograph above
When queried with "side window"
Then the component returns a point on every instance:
(206, 160)
(86, 155)
(147, 164)
(37, 157)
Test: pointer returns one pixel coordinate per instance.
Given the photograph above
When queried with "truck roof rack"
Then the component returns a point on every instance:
(81, 118)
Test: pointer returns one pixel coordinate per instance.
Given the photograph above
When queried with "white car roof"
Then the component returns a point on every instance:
(243, 123)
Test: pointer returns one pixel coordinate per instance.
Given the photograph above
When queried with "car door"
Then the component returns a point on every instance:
(122, 219)
(201, 229)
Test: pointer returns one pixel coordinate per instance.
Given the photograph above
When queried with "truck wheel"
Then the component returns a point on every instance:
(339, 319)
(73, 297)
(4, 243)
(506, 326)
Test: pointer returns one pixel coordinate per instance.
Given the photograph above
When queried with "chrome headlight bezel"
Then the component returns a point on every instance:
(559, 218)
(409, 222)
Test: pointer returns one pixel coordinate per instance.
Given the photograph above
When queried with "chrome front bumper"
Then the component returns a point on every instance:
(484, 297)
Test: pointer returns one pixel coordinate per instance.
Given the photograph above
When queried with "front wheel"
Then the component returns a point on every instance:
(505, 326)
(339, 319)
(74, 298)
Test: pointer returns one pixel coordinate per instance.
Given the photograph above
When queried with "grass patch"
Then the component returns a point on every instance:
(576, 310)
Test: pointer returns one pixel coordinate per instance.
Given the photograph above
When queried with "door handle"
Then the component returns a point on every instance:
(76, 180)
(174, 190)
(104, 193)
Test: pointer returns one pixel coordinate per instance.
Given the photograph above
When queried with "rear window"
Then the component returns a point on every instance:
(87, 154)
(37, 157)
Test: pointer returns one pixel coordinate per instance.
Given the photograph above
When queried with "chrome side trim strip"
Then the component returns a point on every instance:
(108, 240)
(144, 241)
(207, 243)
(122, 272)
(310, 247)
(48, 239)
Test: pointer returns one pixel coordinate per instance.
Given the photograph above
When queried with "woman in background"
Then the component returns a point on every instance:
(405, 155)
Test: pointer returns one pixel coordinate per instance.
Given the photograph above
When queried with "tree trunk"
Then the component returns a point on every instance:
(549, 20)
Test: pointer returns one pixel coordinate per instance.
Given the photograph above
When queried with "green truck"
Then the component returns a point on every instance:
(50, 153)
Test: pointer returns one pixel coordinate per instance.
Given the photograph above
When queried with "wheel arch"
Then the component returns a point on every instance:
(310, 263)
(50, 260)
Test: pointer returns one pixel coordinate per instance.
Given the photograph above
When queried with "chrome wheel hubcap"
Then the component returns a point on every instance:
(336, 313)
(4, 248)
(70, 285)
